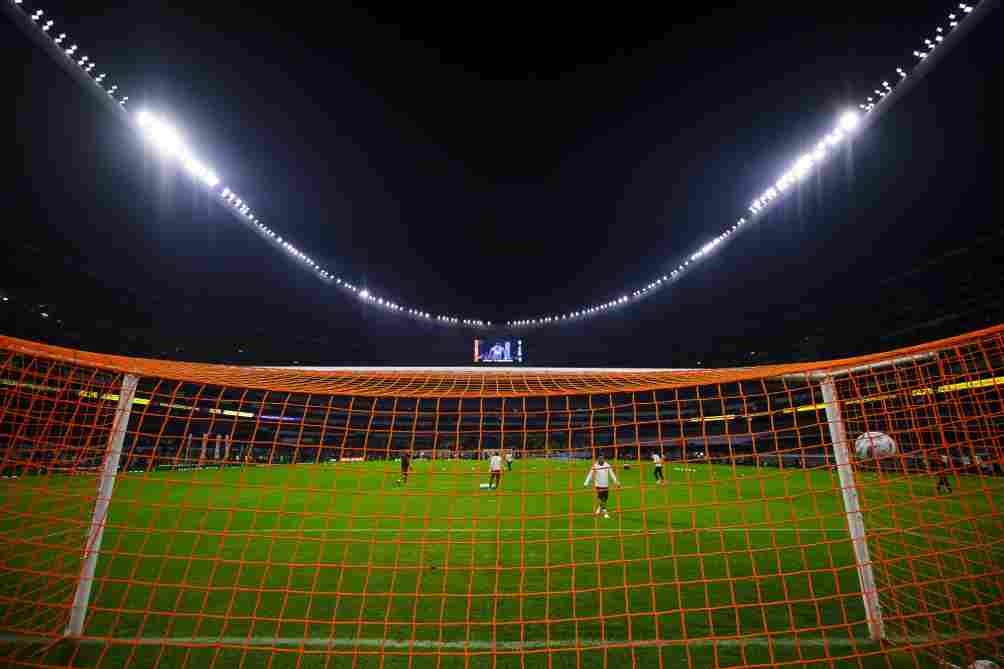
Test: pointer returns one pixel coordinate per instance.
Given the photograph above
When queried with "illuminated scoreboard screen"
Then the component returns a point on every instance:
(498, 351)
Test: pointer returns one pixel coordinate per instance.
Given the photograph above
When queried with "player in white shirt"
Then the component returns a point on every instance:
(508, 460)
(494, 470)
(600, 474)
(657, 468)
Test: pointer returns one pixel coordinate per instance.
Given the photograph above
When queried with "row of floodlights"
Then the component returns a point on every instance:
(805, 165)
(846, 124)
(808, 161)
(169, 143)
(83, 62)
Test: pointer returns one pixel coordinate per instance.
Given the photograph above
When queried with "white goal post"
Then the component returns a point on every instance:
(848, 483)
(852, 507)
(106, 484)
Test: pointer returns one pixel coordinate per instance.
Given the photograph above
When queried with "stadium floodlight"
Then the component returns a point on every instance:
(166, 139)
(850, 119)
(162, 136)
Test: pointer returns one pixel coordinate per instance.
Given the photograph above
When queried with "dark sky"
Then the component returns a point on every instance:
(501, 162)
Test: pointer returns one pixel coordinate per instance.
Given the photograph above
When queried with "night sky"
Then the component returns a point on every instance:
(498, 162)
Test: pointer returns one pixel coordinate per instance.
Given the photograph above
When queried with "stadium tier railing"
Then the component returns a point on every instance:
(170, 514)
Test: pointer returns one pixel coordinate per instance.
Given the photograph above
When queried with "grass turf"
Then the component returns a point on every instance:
(725, 566)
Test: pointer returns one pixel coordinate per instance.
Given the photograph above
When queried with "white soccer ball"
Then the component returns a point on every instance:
(874, 445)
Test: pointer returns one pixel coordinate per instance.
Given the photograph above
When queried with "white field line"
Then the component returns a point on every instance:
(50, 535)
(477, 530)
(433, 644)
(938, 536)
(57, 533)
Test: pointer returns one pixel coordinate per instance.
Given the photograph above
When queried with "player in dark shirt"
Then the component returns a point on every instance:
(405, 466)
(943, 465)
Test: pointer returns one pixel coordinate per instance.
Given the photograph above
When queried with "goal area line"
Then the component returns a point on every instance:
(460, 645)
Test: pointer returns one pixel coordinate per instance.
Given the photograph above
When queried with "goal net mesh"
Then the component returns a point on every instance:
(253, 517)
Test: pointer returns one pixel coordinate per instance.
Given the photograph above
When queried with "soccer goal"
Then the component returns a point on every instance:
(841, 513)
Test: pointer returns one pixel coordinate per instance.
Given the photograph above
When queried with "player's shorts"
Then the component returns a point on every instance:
(603, 494)
(657, 471)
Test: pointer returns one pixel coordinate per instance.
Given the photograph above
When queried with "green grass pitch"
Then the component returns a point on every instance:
(334, 565)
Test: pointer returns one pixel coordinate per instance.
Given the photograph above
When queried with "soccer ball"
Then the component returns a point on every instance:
(874, 445)
(984, 664)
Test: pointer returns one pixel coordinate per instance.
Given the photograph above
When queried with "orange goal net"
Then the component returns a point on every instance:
(843, 513)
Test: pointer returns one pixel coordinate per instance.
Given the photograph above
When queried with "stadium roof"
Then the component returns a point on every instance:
(463, 382)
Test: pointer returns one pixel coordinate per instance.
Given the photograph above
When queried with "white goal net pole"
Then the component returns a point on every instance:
(852, 506)
(106, 484)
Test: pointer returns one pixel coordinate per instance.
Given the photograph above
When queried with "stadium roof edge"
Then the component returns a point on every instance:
(489, 369)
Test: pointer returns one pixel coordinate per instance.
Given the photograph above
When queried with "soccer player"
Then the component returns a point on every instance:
(601, 473)
(657, 468)
(405, 466)
(494, 470)
(508, 460)
(943, 482)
